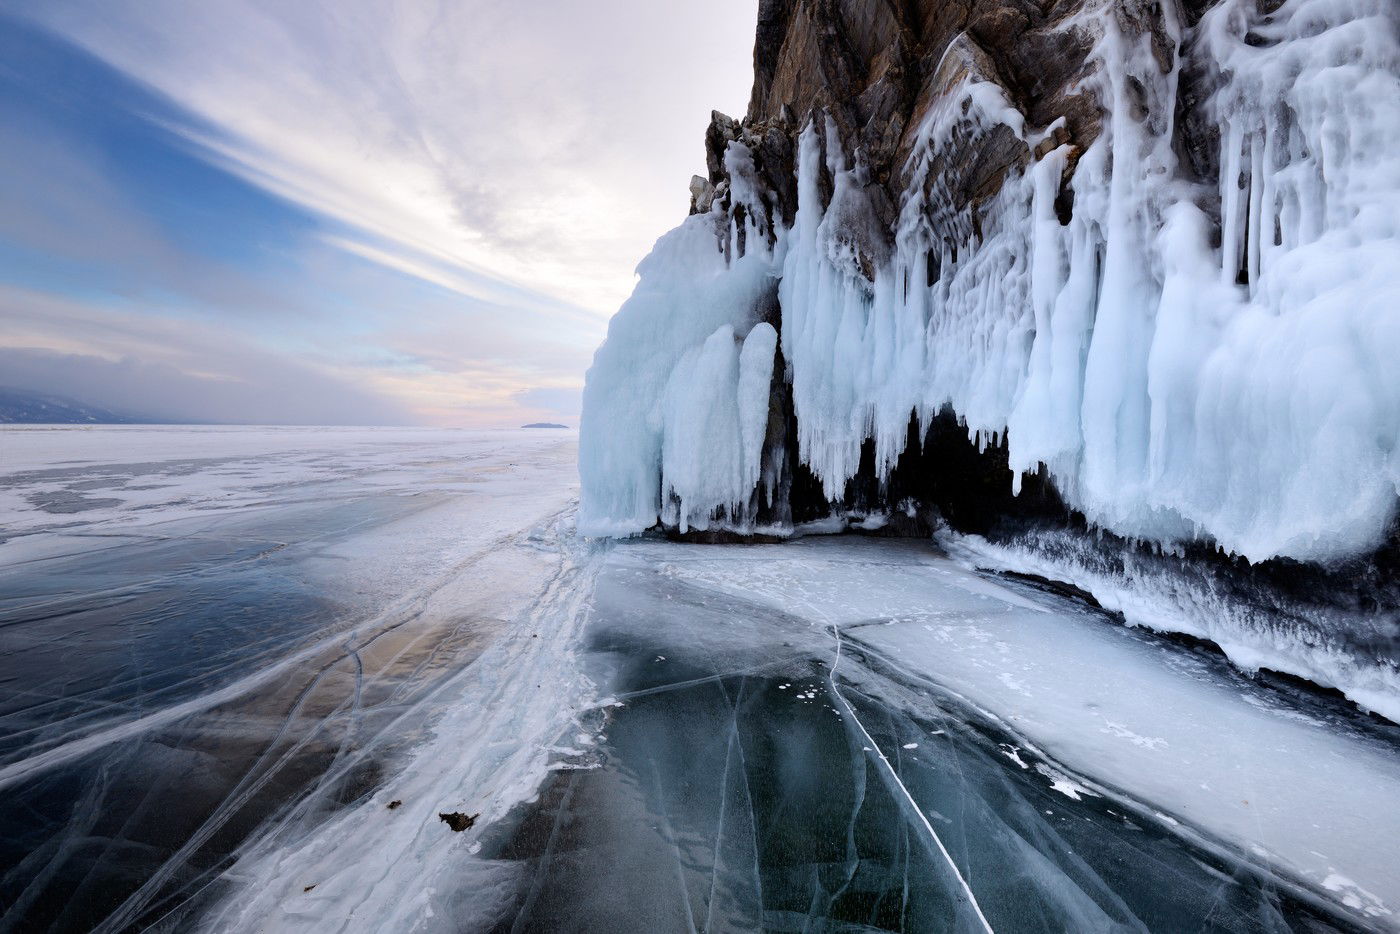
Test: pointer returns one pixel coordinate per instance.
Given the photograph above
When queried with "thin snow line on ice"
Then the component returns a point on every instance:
(668, 834)
(494, 699)
(392, 617)
(25, 768)
(894, 776)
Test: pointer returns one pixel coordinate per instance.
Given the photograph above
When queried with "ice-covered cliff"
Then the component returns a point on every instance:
(1131, 263)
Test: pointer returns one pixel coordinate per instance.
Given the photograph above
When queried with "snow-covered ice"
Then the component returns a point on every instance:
(1349, 648)
(250, 714)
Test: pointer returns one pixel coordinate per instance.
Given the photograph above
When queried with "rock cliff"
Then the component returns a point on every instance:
(1079, 281)
(1089, 232)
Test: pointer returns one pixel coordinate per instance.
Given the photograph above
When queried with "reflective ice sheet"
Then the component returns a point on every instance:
(751, 779)
(249, 716)
(193, 648)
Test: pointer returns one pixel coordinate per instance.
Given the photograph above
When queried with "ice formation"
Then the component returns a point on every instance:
(1350, 649)
(1191, 352)
(677, 399)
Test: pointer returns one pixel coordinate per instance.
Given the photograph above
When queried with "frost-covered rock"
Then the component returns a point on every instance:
(677, 400)
(1152, 249)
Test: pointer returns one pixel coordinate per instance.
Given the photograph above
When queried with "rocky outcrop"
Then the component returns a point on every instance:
(1088, 231)
(875, 70)
(868, 76)
(1054, 212)
(1105, 287)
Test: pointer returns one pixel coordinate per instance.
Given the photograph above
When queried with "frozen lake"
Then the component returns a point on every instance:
(245, 670)
(202, 626)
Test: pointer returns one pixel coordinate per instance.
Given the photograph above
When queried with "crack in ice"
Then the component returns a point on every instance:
(894, 776)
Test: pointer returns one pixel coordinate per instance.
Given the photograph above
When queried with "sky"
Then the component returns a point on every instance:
(342, 211)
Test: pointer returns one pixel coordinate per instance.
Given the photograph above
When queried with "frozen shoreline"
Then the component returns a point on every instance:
(467, 652)
(1304, 791)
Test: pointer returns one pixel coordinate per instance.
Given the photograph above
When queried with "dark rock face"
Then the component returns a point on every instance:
(869, 71)
(875, 68)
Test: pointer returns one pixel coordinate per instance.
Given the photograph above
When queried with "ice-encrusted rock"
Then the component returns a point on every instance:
(1152, 250)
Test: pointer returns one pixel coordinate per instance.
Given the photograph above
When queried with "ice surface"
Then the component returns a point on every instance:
(1351, 649)
(656, 737)
(844, 734)
(207, 631)
(1097, 709)
(71, 481)
(500, 723)
(1244, 393)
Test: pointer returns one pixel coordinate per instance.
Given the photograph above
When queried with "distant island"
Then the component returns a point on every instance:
(23, 407)
(544, 425)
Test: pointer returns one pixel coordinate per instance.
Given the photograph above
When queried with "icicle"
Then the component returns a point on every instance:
(1173, 389)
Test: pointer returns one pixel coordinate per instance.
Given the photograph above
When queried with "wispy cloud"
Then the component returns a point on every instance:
(543, 143)
(173, 370)
(502, 165)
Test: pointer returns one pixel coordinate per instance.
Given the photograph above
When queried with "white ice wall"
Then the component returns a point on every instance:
(1167, 400)
(676, 402)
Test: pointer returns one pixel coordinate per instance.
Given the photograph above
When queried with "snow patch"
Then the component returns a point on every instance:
(1062, 783)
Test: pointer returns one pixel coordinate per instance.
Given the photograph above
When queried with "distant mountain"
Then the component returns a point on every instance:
(22, 407)
(544, 425)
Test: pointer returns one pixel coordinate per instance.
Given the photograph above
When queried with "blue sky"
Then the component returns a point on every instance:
(341, 212)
